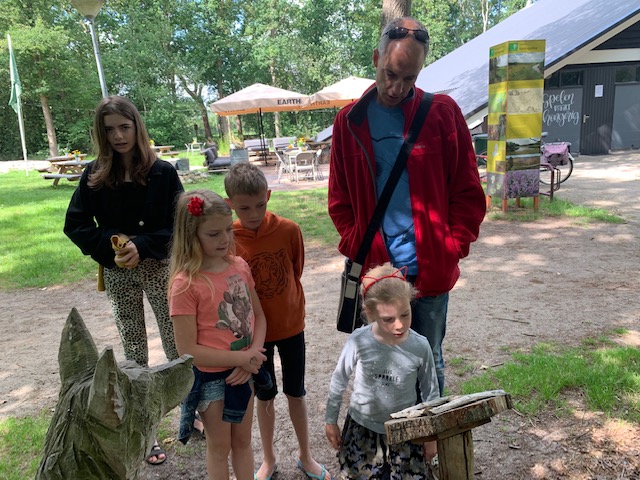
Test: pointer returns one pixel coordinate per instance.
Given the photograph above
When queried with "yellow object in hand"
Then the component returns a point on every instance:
(118, 242)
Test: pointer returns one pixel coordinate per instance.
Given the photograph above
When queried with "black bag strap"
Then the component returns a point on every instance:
(390, 186)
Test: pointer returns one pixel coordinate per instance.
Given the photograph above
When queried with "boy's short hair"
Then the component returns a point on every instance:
(245, 179)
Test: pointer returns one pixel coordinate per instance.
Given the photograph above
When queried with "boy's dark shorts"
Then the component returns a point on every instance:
(292, 360)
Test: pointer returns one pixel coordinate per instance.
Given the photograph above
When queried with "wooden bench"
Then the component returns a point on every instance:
(256, 148)
(57, 176)
(255, 144)
(170, 153)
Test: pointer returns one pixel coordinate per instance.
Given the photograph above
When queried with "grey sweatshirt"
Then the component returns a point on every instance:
(384, 378)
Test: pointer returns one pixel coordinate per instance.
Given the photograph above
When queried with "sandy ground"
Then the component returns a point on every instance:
(550, 280)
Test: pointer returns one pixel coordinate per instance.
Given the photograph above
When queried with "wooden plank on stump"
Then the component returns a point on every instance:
(404, 429)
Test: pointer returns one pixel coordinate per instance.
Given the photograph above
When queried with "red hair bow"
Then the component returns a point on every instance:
(195, 206)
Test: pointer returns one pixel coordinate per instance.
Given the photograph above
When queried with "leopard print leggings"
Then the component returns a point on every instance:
(124, 289)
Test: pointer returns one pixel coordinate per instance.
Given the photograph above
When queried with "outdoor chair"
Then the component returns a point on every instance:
(283, 166)
(316, 162)
(305, 162)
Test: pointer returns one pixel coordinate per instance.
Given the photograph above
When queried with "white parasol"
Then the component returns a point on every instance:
(340, 93)
(259, 98)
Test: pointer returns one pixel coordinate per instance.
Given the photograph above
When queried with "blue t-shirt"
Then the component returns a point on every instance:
(386, 128)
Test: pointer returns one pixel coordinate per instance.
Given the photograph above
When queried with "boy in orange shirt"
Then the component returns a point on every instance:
(274, 249)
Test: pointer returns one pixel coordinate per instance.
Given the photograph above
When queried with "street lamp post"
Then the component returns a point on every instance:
(89, 9)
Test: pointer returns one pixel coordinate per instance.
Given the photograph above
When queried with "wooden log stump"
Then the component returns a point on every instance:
(449, 421)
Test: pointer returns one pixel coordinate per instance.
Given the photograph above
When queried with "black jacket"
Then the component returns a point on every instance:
(94, 215)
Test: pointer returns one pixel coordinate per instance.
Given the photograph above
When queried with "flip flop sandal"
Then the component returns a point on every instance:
(322, 475)
(156, 451)
(275, 469)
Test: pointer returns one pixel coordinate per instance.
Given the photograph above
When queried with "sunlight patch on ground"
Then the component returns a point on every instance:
(617, 175)
(496, 240)
(629, 339)
(618, 435)
(18, 396)
(540, 472)
(623, 237)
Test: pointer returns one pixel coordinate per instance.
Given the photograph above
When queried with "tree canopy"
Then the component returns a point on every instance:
(175, 57)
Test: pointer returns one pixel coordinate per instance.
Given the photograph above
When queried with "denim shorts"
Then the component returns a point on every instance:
(212, 391)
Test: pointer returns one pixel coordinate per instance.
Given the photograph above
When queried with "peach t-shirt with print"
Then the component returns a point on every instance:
(221, 303)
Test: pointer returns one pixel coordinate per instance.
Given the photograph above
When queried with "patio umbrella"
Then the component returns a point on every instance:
(340, 93)
(259, 98)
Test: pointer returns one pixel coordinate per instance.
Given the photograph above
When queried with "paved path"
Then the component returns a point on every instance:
(286, 184)
(611, 182)
(32, 165)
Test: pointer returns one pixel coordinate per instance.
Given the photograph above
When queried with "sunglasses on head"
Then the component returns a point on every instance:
(401, 32)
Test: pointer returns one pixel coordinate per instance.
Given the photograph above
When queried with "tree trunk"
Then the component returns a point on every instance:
(51, 132)
(196, 95)
(276, 116)
(208, 134)
(485, 14)
(223, 122)
(393, 9)
(239, 126)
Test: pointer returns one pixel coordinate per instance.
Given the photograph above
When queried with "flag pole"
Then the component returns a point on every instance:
(16, 104)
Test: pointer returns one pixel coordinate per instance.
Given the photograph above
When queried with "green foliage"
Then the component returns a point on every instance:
(173, 58)
(308, 208)
(608, 377)
(35, 252)
(21, 444)
(546, 208)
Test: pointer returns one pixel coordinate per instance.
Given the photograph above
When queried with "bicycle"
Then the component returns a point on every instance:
(481, 160)
(555, 156)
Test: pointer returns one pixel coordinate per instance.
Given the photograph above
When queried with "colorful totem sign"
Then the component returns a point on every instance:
(516, 84)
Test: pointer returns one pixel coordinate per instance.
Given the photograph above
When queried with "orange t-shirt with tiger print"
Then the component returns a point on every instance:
(275, 253)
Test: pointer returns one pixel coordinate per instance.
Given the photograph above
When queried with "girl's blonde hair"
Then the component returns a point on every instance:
(108, 171)
(186, 252)
(384, 284)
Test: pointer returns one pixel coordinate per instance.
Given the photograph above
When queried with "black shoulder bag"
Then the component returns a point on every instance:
(350, 305)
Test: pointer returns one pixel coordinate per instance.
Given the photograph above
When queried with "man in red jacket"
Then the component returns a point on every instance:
(438, 204)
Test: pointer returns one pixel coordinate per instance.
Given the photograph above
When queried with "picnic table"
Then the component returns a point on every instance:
(67, 158)
(165, 150)
(69, 169)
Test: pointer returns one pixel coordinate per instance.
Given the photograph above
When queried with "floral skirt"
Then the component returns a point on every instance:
(365, 455)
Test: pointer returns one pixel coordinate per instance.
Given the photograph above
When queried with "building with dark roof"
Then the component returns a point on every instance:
(592, 71)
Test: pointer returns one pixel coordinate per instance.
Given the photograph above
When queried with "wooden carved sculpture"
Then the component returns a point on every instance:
(107, 414)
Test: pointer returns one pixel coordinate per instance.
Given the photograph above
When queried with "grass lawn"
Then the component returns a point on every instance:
(36, 253)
